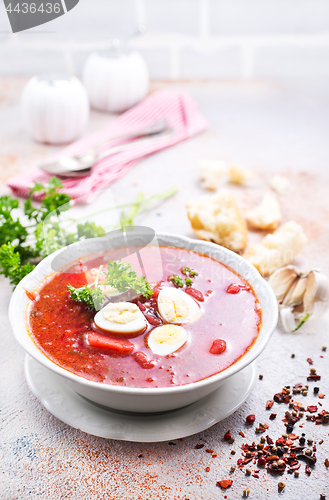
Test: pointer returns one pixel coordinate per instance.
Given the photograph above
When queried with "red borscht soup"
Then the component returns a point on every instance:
(201, 318)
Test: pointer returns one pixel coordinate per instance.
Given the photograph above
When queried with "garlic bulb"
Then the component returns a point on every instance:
(55, 108)
(300, 295)
(117, 81)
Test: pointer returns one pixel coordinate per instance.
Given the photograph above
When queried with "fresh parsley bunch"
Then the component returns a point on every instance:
(23, 245)
(120, 276)
(17, 257)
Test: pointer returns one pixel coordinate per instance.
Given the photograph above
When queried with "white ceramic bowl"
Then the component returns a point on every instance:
(145, 399)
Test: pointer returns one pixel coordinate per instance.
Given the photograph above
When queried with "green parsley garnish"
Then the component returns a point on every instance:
(187, 271)
(23, 244)
(120, 276)
(177, 281)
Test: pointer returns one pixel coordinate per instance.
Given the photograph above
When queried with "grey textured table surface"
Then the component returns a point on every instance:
(271, 128)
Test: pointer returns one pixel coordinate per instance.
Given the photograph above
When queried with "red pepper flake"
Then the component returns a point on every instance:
(326, 462)
(321, 441)
(310, 361)
(293, 436)
(207, 469)
(225, 483)
(269, 440)
(312, 408)
(227, 436)
(279, 397)
(269, 404)
(209, 451)
(198, 446)
(255, 475)
(250, 419)
(214, 455)
(314, 378)
(321, 396)
(242, 434)
(272, 416)
(307, 470)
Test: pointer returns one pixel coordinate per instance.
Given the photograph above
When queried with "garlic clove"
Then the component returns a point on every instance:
(316, 296)
(296, 293)
(282, 280)
(287, 319)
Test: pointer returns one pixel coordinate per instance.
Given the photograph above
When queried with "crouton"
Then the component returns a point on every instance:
(218, 218)
(266, 215)
(212, 172)
(239, 175)
(277, 249)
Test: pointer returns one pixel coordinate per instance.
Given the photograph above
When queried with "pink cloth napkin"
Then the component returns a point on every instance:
(178, 108)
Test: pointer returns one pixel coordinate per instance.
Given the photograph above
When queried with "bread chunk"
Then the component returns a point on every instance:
(239, 175)
(279, 183)
(277, 249)
(266, 215)
(218, 218)
(212, 172)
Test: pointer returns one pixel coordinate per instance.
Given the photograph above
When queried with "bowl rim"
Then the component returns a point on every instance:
(19, 301)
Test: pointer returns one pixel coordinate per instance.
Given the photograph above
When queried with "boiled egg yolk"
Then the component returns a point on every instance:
(166, 339)
(120, 317)
(177, 307)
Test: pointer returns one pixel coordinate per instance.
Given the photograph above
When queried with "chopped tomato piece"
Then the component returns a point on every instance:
(196, 294)
(101, 341)
(142, 360)
(234, 288)
(218, 346)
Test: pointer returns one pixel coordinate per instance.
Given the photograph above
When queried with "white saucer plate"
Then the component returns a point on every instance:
(78, 412)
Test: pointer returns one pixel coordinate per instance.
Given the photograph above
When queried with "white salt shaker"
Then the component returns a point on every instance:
(116, 80)
(55, 108)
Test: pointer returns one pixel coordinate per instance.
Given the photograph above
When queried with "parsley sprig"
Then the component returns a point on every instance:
(177, 280)
(120, 276)
(27, 239)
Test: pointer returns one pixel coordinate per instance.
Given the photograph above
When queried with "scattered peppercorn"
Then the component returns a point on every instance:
(250, 419)
(246, 493)
(296, 473)
(312, 371)
(248, 472)
(292, 355)
(272, 416)
(322, 496)
(326, 462)
(232, 469)
(233, 452)
(324, 347)
(281, 485)
(227, 436)
(260, 377)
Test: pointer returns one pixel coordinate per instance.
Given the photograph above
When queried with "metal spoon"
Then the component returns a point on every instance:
(80, 163)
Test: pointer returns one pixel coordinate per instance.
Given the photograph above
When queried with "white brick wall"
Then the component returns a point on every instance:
(181, 38)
